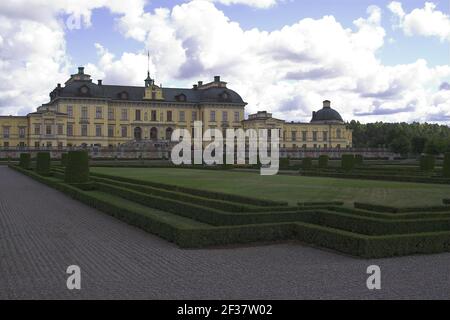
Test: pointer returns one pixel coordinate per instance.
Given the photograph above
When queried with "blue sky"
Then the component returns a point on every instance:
(375, 60)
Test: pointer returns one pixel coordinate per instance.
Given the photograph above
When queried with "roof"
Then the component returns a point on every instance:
(213, 94)
(326, 115)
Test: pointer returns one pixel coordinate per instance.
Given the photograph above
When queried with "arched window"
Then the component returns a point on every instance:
(137, 133)
(153, 133)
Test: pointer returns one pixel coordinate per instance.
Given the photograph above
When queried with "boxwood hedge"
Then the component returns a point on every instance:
(77, 169)
(43, 163)
(25, 160)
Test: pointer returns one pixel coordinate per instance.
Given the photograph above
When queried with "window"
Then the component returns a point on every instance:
(304, 135)
(37, 129)
(314, 135)
(21, 132)
(224, 116)
(153, 95)
(84, 113)
(153, 115)
(237, 116)
(124, 132)
(69, 130)
(98, 113)
(110, 113)
(124, 115)
(60, 145)
(36, 144)
(212, 116)
(98, 130)
(49, 144)
(110, 131)
(6, 132)
(194, 115)
(70, 111)
(294, 135)
(169, 115)
(48, 129)
(325, 135)
(60, 129)
(325, 146)
(338, 133)
(137, 115)
(182, 117)
(6, 144)
(84, 130)
(338, 146)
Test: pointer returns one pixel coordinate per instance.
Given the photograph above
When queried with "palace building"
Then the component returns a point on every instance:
(84, 113)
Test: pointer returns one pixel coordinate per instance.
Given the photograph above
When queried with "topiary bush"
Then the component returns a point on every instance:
(77, 167)
(64, 159)
(446, 165)
(284, 163)
(427, 162)
(359, 159)
(306, 163)
(323, 161)
(348, 162)
(43, 163)
(25, 160)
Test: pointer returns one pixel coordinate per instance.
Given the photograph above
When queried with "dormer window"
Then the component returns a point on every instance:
(123, 95)
(225, 96)
(180, 97)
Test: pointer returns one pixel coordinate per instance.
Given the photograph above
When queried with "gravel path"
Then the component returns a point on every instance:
(42, 232)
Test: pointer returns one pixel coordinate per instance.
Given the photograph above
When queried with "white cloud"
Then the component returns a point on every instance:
(264, 4)
(426, 21)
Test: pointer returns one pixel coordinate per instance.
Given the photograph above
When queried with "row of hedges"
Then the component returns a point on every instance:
(392, 209)
(374, 226)
(195, 237)
(197, 192)
(400, 178)
(198, 212)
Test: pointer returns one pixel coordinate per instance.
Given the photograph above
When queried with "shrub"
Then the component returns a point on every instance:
(348, 162)
(25, 160)
(427, 162)
(306, 163)
(359, 159)
(43, 163)
(77, 168)
(446, 165)
(284, 163)
(323, 161)
(64, 159)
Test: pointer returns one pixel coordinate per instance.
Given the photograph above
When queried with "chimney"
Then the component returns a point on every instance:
(99, 82)
(327, 104)
(217, 79)
(200, 83)
(194, 87)
(313, 114)
(80, 70)
(59, 85)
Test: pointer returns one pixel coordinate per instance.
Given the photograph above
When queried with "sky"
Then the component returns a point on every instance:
(375, 60)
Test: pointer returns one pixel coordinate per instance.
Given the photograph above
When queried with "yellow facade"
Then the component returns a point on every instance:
(83, 113)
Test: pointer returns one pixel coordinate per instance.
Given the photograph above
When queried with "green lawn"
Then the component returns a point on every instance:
(292, 188)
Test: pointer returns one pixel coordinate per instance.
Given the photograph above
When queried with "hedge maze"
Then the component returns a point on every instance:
(193, 218)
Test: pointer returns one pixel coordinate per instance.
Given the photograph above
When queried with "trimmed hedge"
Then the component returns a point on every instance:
(77, 169)
(306, 163)
(323, 161)
(25, 160)
(321, 203)
(391, 209)
(347, 162)
(446, 165)
(43, 163)
(284, 163)
(427, 162)
(64, 159)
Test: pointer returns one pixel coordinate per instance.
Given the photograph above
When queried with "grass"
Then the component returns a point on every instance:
(292, 188)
